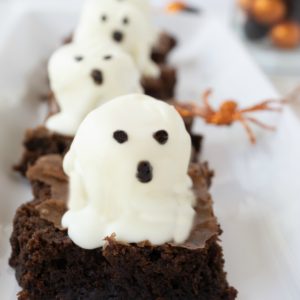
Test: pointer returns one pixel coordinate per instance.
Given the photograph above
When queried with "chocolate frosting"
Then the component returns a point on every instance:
(48, 171)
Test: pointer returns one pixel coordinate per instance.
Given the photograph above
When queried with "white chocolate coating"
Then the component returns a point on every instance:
(107, 194)
(83, 78)
(125, 24)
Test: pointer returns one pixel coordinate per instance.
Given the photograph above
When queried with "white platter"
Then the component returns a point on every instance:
(256, 188)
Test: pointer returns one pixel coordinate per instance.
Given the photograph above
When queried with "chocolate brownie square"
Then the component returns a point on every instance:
(165, 44)
(49, 265)
(163, 87)
(39, 142)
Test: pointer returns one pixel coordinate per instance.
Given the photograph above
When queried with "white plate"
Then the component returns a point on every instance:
(256, 189)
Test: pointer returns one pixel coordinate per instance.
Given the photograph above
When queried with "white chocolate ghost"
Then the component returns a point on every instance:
(84, 78)
(124, 23)
(128, 169)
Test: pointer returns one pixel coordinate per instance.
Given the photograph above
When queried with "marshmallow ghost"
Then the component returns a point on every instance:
(128, 169)
(124, 23)
(83, 78)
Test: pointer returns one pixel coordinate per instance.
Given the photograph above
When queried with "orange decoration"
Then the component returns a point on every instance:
(179, 6)
(286, 35)
(268, 11)
(228, 113)
(176, 6)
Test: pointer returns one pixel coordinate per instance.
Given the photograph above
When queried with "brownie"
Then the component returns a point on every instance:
(39, 142)
(163, 87)
(49, 265)
(165, 44)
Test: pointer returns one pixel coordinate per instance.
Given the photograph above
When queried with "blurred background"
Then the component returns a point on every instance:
(268, 28)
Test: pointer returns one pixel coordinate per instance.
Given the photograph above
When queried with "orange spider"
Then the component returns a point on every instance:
(178, 6)
(228, 113)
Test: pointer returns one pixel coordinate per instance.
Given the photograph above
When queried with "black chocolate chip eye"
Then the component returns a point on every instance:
(120, 136)
(107, 57)
(78, 58)
(104, 18)
(161, 136)
(125, 21)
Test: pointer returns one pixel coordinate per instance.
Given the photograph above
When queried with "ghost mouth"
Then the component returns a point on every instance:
(118, 36)
(97, 76)
(144, 172)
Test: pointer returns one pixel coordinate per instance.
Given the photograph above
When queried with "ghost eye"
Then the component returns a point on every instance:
(161, 136)
(107, 57)
(78, 58)
(125, 21)
(120, 136)
(104, 18)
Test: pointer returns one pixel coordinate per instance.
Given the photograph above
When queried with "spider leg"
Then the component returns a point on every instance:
(264, 106)
(260, 124)
(190, 110)
(206, 95)
(248, 130)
